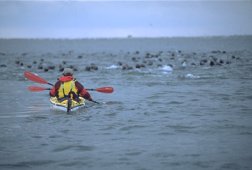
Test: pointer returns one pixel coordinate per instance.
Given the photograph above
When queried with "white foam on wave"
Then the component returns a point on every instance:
(166, 68)
(191, 76)
(113, 66)
(184, 64)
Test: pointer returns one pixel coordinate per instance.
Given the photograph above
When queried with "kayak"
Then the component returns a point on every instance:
(67, 104)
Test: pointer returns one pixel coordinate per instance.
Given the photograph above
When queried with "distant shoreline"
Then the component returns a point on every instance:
(131, 37)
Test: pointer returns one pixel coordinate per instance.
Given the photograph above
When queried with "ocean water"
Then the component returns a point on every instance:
(178, 103)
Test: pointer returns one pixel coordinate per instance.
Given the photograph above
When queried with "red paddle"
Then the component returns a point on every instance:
(101, 89)
(40, 80)
(35, 78)
(37, 88)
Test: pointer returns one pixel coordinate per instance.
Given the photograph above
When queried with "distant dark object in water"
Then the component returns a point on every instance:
(140, 65)
(211, 63)
(29, 66)
(46, 69)
(150, 63)
(228, 62)
(60, 66)
(216, 51)
(3, 65)
(147, 55)
(233, 57)
(134, 59)
(91, 67)
(51, 67)
(214, 58)
(203, 62)
(88, 68)
(71, 66)
(120, 63)
(80, 56)
(126, 67)
(17, 62)
(221, 61)
(94, 67)
(34, 62)
(170, 65)
(40, 67)
(42, 60)
(193, 64)
(61, 69)
(24, 54)
(64, 62)
(3, 54)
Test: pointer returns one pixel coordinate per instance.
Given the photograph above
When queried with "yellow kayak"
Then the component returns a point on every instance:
(67, 104)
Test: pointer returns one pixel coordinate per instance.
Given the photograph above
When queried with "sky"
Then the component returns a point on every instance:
(107, 19)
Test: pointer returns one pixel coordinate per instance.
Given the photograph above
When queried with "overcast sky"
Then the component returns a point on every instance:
(82, 19)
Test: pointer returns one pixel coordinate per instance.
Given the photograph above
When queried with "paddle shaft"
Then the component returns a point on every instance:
(37, 79)
(38, 89)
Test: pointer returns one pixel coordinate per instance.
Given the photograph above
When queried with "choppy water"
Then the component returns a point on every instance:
(180, 111)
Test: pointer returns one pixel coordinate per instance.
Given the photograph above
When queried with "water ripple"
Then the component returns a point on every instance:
(27, 164)
(73, 147)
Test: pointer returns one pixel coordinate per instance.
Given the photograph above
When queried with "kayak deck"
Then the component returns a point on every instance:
(62, 104)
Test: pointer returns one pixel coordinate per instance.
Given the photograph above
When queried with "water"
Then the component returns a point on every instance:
(166, 115)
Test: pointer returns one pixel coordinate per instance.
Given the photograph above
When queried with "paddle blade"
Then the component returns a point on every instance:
(105, 89)
(34, 78)
(37, 89)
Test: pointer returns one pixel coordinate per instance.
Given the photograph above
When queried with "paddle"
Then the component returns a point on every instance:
(35, 78)
(69, 104)
(40, 80)
(37, 88)
(101, 89)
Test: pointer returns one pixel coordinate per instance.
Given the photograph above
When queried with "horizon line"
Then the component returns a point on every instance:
(123, 37)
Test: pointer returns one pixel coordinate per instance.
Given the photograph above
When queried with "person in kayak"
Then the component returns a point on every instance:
(68, 87)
